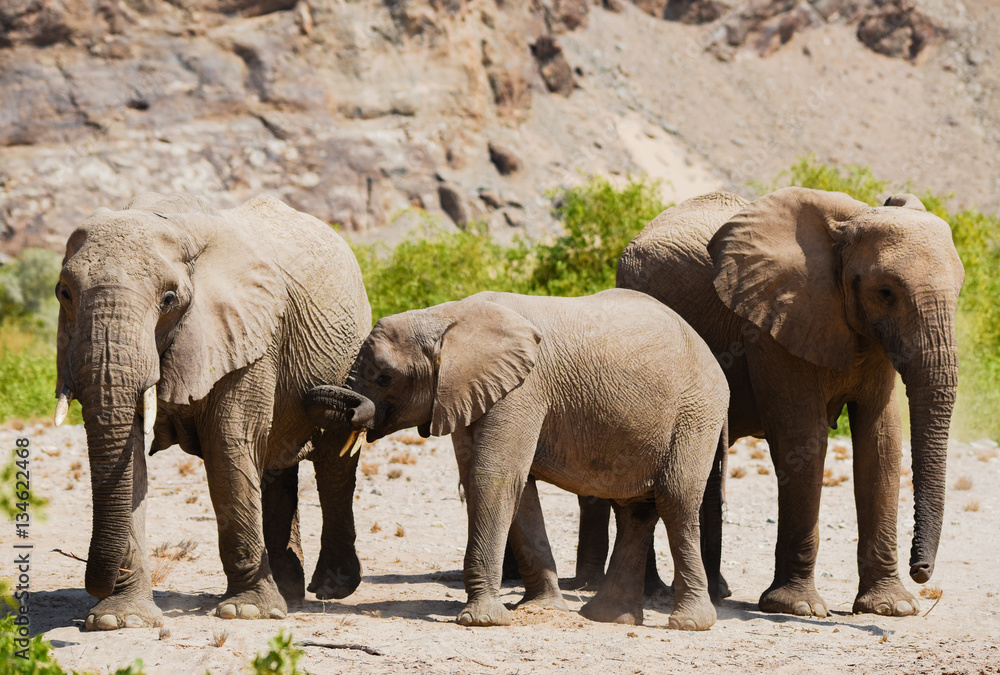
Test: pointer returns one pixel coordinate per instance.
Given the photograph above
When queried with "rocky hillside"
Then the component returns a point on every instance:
(373, 113)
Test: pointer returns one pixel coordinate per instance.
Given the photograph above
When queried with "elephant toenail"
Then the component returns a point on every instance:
(134, 621)
(690, 625)
(903, 608)
(227, 612)
(276, 614)
(801, 608)
(89, 623)
(107, 622)
(249, 612)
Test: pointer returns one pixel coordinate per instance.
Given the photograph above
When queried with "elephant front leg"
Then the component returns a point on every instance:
(493, 479)
(534, 554)
(131, 604)
(234, 485)
(877, 448)
(798, 461)
(338, 571)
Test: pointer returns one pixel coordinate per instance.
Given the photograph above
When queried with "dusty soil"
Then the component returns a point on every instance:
(412, 527)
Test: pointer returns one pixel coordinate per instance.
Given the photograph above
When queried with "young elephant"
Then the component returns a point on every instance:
(610, 395)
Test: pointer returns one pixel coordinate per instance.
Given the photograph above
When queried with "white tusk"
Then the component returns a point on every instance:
(354, 442)
(148, 409)
(62, 407)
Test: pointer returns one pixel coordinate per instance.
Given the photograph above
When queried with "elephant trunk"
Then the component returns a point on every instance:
(931, 381)
(114, 368)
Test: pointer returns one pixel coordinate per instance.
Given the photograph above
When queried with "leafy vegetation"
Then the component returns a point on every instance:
(282, 659)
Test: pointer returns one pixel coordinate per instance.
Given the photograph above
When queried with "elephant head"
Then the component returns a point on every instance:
(158, 301)
(442, 368)
(825, 274)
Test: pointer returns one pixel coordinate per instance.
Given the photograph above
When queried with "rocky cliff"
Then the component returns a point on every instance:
(373, 114)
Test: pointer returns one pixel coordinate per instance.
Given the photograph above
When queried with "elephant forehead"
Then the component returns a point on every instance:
(117, 247)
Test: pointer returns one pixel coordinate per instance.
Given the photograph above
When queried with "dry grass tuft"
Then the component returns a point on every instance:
(763, 470)
(160, 569)
(192, 499)
(75, 466)
(841, 452)
(219, 638)
(400, 532)
(732, 450)
(179, 551)
(830, 481)
(930, 592)
(369, 469)
(187, 467)
(986, 455)
(403, 458)
(971, 506)
(376, 527)
(737, 472)
(394, 473)
(164, 632)
(963, 483)
(374, 613)
(757, 453)
(411, 439)
(343, 622)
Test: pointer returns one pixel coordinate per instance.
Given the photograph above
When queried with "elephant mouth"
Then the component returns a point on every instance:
(327, 405)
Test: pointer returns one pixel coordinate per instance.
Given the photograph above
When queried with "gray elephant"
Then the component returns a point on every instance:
(209, 327)
(812, 300)
(610, 395)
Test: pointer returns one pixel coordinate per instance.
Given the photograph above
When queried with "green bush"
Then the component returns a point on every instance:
(27, 290)
(282, 659)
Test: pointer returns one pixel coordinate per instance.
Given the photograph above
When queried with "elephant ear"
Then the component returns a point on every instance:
(906, 200)
(238, 301)
(777, 264)
(484, 353)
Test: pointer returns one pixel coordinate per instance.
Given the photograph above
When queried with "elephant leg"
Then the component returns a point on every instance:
(652, 583)
(798, 459)
(280, 503)
(877, 450)
(338, 571)
(693, 608)
(494, 471)
(534, 554)
(620, 598)
(592, 545)
(131, 604)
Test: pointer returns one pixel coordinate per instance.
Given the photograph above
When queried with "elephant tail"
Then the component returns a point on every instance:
(711, 519)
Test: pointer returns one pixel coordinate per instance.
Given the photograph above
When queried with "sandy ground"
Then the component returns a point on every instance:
(412, 528)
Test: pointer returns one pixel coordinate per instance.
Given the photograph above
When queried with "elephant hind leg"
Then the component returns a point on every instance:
(620, 597)
(279, 498)
(592, 545)
(534, 554)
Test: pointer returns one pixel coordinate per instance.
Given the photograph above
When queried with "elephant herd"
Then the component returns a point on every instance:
(244, 336)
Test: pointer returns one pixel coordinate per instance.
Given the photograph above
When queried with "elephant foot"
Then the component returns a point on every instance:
(887, 598)
(799, 598)
(117, 612)
(602, 608)
(336, 577)
(589, 580)
(264, 602)
(286, 569)
(552, 600)
(696, 613)
(484, 612)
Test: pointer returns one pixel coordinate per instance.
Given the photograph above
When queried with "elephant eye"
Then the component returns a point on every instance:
(63, 292)
(383, 380)
(886, 295)
(169, 300)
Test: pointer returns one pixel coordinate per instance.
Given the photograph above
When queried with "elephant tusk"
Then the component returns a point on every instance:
(62, 407)
(354, 442)
(148, 409)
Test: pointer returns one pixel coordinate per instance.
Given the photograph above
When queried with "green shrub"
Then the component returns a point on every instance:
(857, 181)
(27, 294)
(599, 220)
(37, 658)
(281, 659)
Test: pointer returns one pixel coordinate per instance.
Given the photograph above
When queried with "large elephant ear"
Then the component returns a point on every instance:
(777, 264)
(239, 298)
(484, 353)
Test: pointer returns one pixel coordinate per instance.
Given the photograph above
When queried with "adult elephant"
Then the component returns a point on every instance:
(811, 300)
(214, 324)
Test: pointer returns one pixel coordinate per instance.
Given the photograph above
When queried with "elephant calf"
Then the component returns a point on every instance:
(611, 395)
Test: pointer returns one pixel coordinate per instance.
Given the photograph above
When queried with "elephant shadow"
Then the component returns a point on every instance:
(69, 606)
(747, 611)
